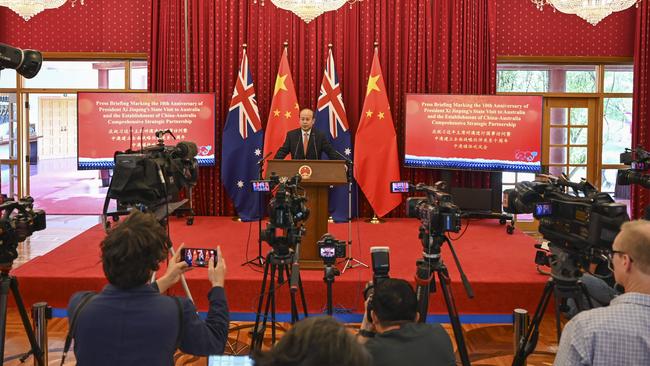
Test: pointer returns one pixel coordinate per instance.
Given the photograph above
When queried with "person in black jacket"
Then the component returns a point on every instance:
(393, 336)
(306, 142)
(130, 322)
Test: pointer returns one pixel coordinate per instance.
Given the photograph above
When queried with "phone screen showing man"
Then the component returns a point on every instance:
(198, 257)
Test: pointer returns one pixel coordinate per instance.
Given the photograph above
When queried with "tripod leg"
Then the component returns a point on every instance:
(424, 280)
(36, 350)
(529, 341)
(4, 293)
(585, 292)
(272, 298)
(302, 296)
(558, 310)
(453, 316)
(255, 340)
(292, 296)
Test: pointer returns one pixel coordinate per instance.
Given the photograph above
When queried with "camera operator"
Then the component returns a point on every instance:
(130, 322)
(393, 336)
(617, 334)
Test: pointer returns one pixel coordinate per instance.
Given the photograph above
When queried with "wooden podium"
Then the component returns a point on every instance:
(317, 177)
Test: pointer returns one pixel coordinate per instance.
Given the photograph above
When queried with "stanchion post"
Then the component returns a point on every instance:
(40, 315)
(520, 326)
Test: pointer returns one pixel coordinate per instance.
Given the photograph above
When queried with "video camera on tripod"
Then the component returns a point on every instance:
(15, 228)
(580, 227)
(639, 162)
(18, 221)
(287, 211)
(438, 215)
(436, 211)
(582, 223)
(153, 176)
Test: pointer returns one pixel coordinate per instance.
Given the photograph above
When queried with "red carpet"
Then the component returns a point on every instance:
(500, 267)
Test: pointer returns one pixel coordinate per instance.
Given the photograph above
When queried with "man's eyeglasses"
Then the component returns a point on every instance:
(610, 257)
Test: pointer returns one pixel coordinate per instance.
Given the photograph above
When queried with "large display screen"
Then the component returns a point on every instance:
(475, 132)
(110, 122)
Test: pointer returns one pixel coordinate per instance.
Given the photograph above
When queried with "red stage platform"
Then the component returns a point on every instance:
(499, 266)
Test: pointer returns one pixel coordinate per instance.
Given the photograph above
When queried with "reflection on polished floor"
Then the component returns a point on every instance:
(488, 344)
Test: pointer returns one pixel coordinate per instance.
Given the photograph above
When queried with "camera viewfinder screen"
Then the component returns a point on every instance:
(399, 187)
(543, 209)
(261, 186)
(327, 252)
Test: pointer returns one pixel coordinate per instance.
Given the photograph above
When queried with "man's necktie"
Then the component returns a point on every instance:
(305, 139)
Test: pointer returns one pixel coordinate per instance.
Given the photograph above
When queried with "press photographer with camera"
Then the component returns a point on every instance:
(130, 322)
(619, 333)
(392, 334)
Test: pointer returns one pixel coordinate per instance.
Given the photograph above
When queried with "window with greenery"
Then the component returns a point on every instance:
(575, 146)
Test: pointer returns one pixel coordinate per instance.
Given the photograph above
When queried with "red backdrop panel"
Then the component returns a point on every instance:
(97, 26)
(522, 30)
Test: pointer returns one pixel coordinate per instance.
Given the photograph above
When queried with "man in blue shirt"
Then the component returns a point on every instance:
(618, 334)
(130, 322)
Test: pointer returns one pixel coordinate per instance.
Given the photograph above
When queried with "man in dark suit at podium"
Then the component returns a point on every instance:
(306, 142)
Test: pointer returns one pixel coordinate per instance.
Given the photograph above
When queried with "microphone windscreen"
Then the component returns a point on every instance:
(187, 149)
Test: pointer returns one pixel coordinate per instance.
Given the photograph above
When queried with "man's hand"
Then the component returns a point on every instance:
(217, 274)
(175, 269)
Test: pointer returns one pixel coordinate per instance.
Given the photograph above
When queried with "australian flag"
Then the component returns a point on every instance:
(242, 146)
(331, 118)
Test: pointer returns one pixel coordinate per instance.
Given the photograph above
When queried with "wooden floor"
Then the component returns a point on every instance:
(487, 344)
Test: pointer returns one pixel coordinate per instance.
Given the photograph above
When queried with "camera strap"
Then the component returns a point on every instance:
(85, 299)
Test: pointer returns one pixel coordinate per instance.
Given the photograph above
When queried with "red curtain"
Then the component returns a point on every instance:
(425, 46)
(641, 108)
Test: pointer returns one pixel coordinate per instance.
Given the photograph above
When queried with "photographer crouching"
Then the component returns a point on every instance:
(130, 322)
(392, 334)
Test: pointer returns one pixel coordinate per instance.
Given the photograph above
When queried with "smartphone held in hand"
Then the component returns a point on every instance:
(198, 257)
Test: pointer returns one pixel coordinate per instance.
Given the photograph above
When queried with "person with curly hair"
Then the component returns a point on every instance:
(130, 322)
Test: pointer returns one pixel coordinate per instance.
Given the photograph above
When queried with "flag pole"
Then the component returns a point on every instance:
(259, 260)
(375, 220)
(237, 218)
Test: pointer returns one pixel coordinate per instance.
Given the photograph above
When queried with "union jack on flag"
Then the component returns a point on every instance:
(331, 119)
(243, 100)
(241, 146)
(330, 100)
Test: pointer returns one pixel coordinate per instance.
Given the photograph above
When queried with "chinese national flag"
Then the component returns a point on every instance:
(284, 112)
(375, 150)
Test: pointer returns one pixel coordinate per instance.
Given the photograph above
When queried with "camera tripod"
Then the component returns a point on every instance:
(329, 275)
(8, 282)
(259, 259)
(279, 264)
(564, 284)
(431, 264)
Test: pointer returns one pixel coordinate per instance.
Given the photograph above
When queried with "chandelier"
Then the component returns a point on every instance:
(28, 8)
(307, 10)
(593, 11)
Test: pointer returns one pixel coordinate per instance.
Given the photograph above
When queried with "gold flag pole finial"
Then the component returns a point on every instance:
(286, 44)
(244, 45)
